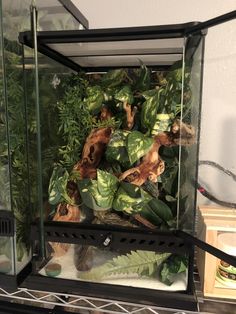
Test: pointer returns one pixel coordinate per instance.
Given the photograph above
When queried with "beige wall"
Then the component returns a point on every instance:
(218, 136)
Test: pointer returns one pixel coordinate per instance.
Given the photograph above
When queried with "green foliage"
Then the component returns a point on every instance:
(107, 183)
(94, 99)
(104, 188)
(113, 78)
(149, 109)
(138, 145)
(175, 264)
(105, 202)
(125, 95)
(142, 263)
(161, 209)
(75, 123)
(144, 79)
(58, 187)
(111, 122)
(148, 213)
(85, 187)
(162, 123)
(116, 149)
(124, 202)
(128, 197)
(169, 178)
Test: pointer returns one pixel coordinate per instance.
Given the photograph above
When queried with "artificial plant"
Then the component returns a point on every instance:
(123, 149)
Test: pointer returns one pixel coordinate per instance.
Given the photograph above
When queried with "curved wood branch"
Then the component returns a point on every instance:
(68, 213)
(130, 114)
(93, 151)
(152, 166)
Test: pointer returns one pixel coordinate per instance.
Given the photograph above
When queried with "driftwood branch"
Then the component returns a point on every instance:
(93, 151)
(130, 114)
(151, 165)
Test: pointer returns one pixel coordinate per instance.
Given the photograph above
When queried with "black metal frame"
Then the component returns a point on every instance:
(7, 229)
(16, 308)
(117, 34)
(176, 241)
(12, 282)
(177, 300)
(102, 35)
(7, 223)
(116, 237)
(75, 12)
(113, 237)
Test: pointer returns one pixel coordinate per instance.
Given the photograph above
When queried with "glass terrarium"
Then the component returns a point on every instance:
(15, 209)
(117, 157)
(18, 160)
(112, 135)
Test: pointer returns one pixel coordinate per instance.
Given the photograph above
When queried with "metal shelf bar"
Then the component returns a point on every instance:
(84, 303)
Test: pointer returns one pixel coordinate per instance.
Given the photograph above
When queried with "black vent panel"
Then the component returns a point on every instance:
(112, 237)
(6, 224)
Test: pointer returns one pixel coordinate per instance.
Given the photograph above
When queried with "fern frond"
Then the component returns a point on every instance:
(136, 262)
(111, 122)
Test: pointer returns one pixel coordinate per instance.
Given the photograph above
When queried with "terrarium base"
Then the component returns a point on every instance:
(166, 299)
(69, 271)
(12, 282)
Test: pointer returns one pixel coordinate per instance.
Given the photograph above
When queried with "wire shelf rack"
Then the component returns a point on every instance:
(76, 302)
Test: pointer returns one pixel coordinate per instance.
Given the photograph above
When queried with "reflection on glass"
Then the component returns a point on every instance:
(14, 194)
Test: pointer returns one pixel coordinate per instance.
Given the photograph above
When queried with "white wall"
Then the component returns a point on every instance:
(218, 134)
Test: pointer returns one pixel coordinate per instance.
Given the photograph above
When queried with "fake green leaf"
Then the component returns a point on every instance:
(125, 95)
(116, 149)
(131, 189)
(99, 194)
(104, 202)
(124, 202)
(146, 212)
(142, 263)
(149, 109)
(127, 198)
(113, 78)
(85, 194)
(94, 99)
(107, 183)
(174, 265)
(169, 178)
(85, 187)
(162, 123)
(144, 79)
(58, 186)
(138, 145)
(161, 209)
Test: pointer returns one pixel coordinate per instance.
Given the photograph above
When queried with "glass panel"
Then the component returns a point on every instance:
(5, 197)
(191, 118)
(140, 269)
(53, 16)
(130, 60)
(113, 145)
(14, 170)
(7, 261)
(87, 145)
(7, 256)
(162, 46)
